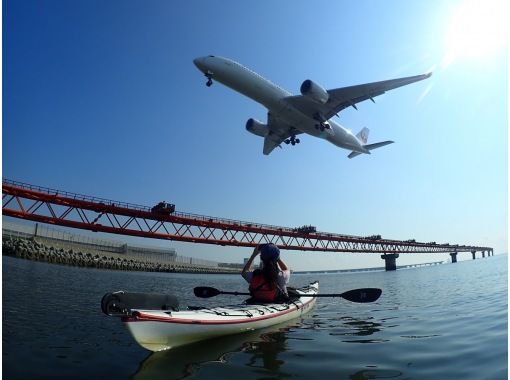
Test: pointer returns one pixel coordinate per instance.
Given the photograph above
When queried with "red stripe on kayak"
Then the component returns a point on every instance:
(141, 317)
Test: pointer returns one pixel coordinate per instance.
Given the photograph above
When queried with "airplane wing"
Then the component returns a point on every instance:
(341, 98)
(278, 132)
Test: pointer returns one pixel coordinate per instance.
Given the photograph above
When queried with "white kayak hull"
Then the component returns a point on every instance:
(158, 330)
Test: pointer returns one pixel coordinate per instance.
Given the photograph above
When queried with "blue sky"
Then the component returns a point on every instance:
(102, 98)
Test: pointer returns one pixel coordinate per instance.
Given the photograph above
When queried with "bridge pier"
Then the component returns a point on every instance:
(474, 254)
(483, 254)
(390, 261)
(454, 257)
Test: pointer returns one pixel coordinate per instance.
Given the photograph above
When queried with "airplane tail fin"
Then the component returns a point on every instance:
(370, 147)
(363, 135)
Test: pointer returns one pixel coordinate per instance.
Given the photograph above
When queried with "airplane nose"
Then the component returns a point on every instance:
(200, 63)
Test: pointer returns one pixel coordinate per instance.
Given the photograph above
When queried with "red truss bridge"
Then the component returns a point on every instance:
(24, 201)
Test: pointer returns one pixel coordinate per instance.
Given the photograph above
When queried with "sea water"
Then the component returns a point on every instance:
(441, 322)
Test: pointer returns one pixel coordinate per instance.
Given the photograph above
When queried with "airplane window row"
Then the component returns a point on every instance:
(258, 75)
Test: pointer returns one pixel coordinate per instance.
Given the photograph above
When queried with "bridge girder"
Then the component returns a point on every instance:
(100, 215)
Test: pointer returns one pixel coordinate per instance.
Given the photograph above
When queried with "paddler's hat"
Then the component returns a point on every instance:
(269, 252)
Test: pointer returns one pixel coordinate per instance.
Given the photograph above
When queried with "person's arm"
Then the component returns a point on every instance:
(282, 265)
(247, 266)
(285, 273)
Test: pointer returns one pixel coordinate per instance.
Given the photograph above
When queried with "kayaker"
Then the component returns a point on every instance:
(268, 284)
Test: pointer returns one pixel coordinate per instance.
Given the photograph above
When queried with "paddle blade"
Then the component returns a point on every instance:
(362, 295)
(205, 292)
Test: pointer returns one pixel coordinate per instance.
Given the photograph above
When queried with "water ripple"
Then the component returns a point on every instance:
(442, 322)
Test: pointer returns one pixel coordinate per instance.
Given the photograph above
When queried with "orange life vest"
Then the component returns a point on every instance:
(261, 290)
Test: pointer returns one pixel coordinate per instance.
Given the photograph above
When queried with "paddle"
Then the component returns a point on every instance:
(364, 295)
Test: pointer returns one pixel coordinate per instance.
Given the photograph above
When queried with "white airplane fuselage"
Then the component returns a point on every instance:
(273, 97)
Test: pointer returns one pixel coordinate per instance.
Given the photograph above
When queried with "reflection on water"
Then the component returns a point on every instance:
(263, 351)
(375, 374)
(264, 345)
(183, 361)
(357, 327)
(55, 329)
(361, 327)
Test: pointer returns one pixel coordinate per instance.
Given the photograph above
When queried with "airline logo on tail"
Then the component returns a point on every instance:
(363, 135)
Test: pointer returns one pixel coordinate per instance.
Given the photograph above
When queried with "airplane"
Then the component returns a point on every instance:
(311, 112)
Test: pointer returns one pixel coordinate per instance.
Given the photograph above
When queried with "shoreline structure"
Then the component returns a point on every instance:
(59, 247)
(40, 243)
(37, 249)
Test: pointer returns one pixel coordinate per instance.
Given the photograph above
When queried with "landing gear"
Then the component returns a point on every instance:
(293, 141)
(323, 122)
(209, 79)
(322, 126)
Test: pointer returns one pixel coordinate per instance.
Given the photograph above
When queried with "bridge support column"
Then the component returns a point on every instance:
(483, 254)
(474, 254)
(390, 261)
(454, 257)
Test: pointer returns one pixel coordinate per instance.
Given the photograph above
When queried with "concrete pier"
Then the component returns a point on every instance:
(474, 254)
(483, 254)
(454, 257)
(390, 261)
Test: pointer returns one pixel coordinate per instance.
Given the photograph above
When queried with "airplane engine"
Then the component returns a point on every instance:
(257, 128)
(314, 92)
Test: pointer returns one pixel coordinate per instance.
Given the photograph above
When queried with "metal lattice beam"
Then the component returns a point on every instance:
(62, 208)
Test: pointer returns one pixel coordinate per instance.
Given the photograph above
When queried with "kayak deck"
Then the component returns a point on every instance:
(158, 330)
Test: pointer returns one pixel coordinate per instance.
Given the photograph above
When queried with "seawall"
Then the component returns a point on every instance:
(32, 249)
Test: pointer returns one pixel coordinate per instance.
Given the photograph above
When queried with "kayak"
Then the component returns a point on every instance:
(158, 330)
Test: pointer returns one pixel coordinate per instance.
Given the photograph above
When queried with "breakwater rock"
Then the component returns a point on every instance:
(34, 250)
